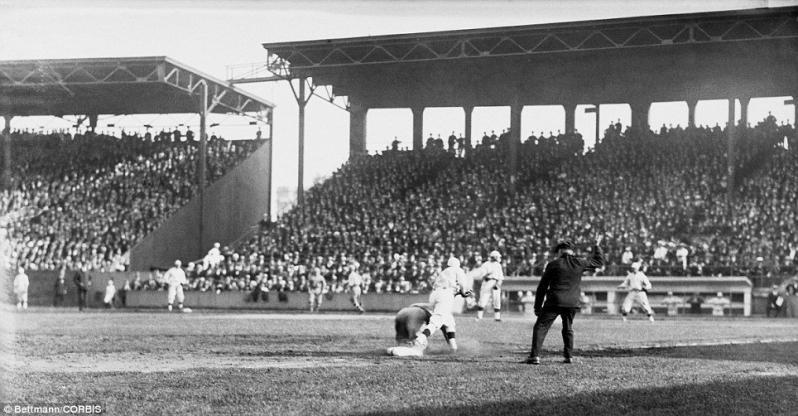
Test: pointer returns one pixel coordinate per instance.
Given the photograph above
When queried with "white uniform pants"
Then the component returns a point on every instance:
(442, 301)
(315, 298)
(175, 292)
(22, 296)
(636, 296)
(488, 291)
(356, 292)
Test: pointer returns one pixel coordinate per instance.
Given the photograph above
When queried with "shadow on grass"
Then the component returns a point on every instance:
(775, 352)
(764, 395)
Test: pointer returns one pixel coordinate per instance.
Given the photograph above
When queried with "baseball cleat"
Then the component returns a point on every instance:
(186, 310)
(568, 360)
(532, 360)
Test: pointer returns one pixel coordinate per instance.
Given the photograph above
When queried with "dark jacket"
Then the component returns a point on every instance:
(560, 284)
(82, 281)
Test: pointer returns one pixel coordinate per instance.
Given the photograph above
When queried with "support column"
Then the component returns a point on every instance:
(747, 302)
(570, 118)
(7, 153)
(640, 115)
(300, 184)
(357, 128)
(744, 101)
(598, 124)
(469, 111)
(731, 156)
(515, 141)
(691, 104)
(795, 110)
(418, 128)
(93, 122)
(203, 155)
(612, 306)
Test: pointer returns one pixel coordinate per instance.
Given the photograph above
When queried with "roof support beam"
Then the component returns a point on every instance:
(7, 152)
(203, 155)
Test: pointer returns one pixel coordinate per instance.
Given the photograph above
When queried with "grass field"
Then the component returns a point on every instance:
(232, 363)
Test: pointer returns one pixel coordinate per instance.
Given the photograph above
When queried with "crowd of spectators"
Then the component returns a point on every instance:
(84, 200)
(660, 198)
(665, 198)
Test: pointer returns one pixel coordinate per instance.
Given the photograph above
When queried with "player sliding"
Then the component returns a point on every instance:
(637, 283)
(492, 276)
(422, 320)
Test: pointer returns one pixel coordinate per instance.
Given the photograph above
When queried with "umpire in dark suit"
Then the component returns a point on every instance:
(560, 287)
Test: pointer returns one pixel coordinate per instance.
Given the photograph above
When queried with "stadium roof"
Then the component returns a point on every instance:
(132, 85)
(595, 35)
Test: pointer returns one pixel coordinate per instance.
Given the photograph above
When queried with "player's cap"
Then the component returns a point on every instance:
(564, 245)
(178, 263)
(720, 294)
(636, 265)
(495, 255)
(453, 262)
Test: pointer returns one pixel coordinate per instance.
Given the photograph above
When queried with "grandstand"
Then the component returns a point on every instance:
(693, 201)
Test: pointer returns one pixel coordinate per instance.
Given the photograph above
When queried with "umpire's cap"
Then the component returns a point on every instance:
(564, 245)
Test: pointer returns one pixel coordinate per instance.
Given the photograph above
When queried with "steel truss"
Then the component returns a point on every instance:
(69, 75)
(532, 40)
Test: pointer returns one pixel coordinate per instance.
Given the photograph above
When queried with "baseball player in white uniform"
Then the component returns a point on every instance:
(21, 283)
(492, 276)
(447, 284)
(637, 284)
(355, 284)
(175, 278)
(316, 285)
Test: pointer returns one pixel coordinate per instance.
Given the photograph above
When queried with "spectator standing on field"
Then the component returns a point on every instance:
(560, 286)
(21, 283)
(110, 292)
(60, 287)
(83, 283)
(775, 302)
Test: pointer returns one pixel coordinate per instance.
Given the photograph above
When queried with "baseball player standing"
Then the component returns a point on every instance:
(637, 284)
(21, 283)
(316, 286)
(447, 284)
(355, 284)
(492, 276)
(175, 278)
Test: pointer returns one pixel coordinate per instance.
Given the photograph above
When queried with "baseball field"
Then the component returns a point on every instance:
(154, 362)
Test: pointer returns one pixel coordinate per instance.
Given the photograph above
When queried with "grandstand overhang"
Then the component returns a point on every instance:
(134, 85)
(661, 58)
